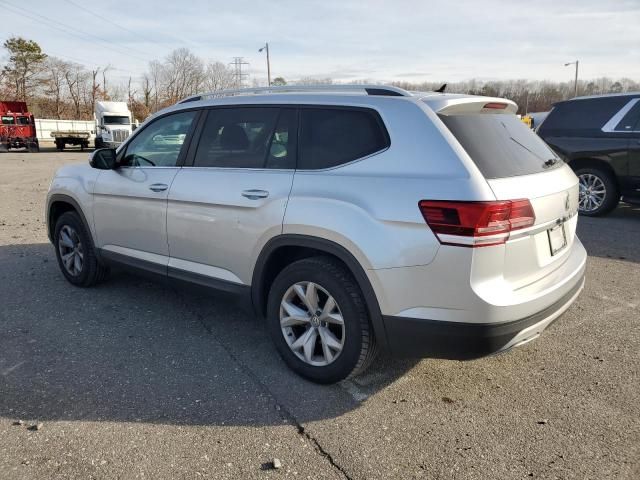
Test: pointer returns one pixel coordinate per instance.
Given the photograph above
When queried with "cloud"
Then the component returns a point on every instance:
(351, 39)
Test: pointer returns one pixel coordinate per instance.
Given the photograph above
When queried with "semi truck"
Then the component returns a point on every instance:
(17, 127)
(113, 123)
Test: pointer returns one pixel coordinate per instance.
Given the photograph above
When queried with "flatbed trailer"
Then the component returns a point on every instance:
(71, 137)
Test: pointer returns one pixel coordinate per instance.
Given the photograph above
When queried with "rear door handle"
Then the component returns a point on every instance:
(255, 194)
(158, 187)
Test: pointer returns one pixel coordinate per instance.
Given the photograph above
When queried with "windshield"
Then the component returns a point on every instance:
(23, 120)
(8, 120)
(116, 120)
(501, 145)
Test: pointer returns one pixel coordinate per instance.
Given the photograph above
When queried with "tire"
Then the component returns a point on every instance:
(33, 147)
(88, 271)
(59, 145)
(98, 143)
(329, 278)
(598, 179)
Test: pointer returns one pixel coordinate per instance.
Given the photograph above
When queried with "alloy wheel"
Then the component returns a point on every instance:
(592, 192)
(71, 250)
(312, 324)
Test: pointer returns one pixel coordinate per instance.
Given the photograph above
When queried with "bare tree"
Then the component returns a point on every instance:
(54, 83)
(76, 79)
(218, 76)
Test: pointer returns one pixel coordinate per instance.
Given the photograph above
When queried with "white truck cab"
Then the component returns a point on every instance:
(113, 123)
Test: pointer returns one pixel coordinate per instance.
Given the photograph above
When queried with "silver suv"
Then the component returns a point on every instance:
(352, 218)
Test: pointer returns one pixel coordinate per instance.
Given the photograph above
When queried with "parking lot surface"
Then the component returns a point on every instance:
(133, 379)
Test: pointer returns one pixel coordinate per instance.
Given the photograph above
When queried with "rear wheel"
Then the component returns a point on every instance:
(318, 320)
(598, 191)
(75, 252)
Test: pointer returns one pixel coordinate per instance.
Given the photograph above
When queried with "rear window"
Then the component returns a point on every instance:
(335, 136)
(580, 117)
(501, 145)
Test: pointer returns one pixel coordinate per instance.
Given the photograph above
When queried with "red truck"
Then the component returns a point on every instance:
(17, 127)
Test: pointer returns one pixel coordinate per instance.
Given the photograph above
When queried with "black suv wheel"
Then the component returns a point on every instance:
(598, 191)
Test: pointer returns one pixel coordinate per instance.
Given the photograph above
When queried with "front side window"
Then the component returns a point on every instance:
(116, 120)
(334, 136)
(160, 143)
(248, 137)
(8, 120)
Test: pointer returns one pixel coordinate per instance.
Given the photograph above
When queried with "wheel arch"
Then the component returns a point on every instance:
(287, 248)
(59, 204)
(591, 162)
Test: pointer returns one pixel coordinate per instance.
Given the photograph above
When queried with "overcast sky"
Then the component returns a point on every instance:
(345, 39)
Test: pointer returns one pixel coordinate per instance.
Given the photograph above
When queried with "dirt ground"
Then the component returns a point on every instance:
(135, 380)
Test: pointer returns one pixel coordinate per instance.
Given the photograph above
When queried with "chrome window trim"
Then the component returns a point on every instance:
(610, 126)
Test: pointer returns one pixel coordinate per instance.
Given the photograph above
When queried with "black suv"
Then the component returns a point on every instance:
(599, 137)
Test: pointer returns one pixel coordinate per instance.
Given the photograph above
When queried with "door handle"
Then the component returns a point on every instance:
(158, 187)
(255, 194)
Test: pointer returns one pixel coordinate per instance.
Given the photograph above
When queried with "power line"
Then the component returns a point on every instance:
(81, 35)
(108, 20)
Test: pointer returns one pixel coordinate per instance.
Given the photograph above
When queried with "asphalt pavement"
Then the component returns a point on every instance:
(133, 379)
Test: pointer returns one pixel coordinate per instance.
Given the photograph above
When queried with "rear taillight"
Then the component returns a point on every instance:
(476, 224)
(495, 105)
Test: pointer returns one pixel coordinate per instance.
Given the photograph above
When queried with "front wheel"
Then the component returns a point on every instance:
(598, 191)
(75, 252)
(318, 320)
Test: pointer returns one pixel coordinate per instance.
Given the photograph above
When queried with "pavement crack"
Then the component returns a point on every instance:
(283, 412)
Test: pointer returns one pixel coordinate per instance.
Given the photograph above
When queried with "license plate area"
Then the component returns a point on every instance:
(557, 239)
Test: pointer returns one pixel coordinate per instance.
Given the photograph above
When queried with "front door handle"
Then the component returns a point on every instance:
(255, 194)
(158, 187)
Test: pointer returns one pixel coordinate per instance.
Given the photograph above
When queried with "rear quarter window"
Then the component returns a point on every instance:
(334, 136)
(581, 117)
(501, 145)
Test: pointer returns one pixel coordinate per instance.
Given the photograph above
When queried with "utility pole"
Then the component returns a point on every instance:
(575, 84)
(237, 63)
(266, 47)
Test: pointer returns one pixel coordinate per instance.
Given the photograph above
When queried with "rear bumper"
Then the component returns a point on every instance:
(413, 337)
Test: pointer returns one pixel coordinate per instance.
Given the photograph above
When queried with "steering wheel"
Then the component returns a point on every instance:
(140, 157)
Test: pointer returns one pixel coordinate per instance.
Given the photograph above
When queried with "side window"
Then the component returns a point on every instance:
(248, 137)
(282, 149)
(334, 136)
(159, 144)
(629, 120)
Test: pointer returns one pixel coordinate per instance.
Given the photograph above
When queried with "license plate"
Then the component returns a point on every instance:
(557, 238)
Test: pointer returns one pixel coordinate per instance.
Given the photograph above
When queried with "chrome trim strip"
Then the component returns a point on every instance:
(610, 126)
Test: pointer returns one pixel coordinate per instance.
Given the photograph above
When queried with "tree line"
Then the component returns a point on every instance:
(56, 88)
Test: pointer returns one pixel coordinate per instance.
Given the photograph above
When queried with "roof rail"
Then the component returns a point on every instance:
(367, 89)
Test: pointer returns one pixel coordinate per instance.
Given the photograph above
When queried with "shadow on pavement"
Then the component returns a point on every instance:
(616, 235)
(132, 350)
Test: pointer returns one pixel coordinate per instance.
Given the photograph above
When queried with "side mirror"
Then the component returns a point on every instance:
(103, 159)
